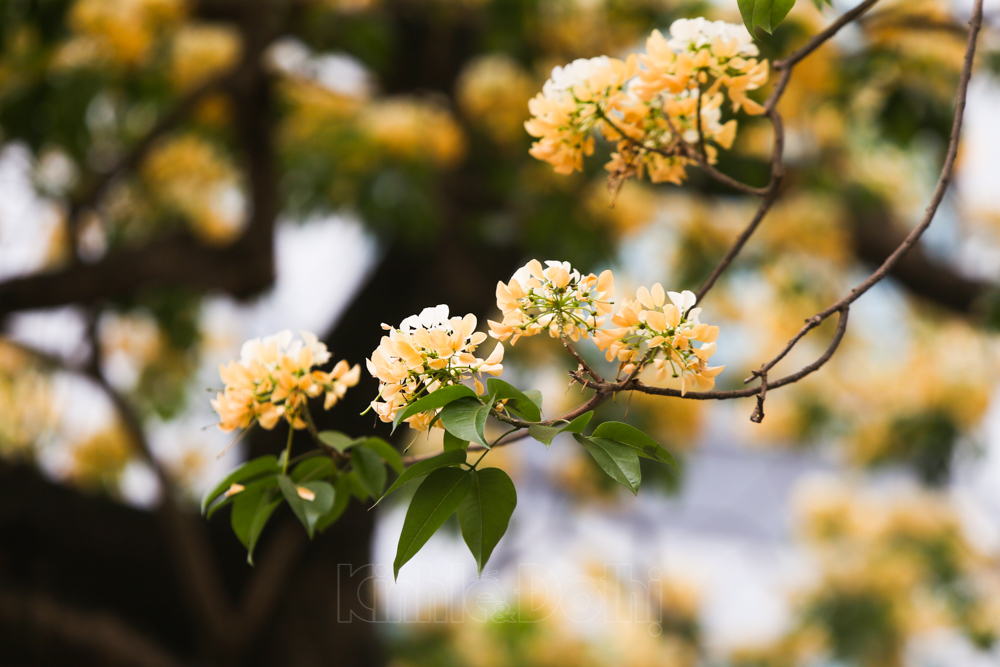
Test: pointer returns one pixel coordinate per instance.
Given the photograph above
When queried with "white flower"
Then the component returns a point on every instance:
(265, 350)
(320, 354)
(434, 317)
(576, 73)
(574, 275)
(689, 34)
(683, 300)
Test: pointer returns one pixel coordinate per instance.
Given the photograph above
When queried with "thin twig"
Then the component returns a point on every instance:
(821, 38)
(770, 197)
(842, 307)
(579, 359)
(686, 151)
(770, 192)
(947, 170)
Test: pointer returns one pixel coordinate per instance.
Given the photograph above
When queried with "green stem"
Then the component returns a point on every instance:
(495, 442)
(473, 466)
(288, 450)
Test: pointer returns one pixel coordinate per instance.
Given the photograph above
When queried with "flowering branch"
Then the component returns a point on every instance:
(429, 376)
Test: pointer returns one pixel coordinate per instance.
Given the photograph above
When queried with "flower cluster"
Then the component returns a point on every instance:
(657, 112)
(556, 298)
(653, 330)
(188, 175)
(574, 101)
(427, 352)
(120, 32)
(414, 129)
(274, 378)
(491, 92)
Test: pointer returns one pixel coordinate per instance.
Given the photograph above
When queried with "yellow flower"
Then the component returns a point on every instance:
(657, 113)
(572, 103)
(659, 328)
(193, 177)
(492, 91)
(274, 378)
(200, 50)
(414, 129)
(555, 298)
(123, 31)
(424, 353)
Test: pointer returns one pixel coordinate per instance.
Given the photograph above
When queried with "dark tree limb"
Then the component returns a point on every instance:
(876, 237)
(95, 635)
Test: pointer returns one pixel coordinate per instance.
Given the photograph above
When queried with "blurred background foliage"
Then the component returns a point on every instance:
(192, 131)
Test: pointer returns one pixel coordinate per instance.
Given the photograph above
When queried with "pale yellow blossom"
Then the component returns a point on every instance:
(554, 298)
(424, 353)
(274, 378)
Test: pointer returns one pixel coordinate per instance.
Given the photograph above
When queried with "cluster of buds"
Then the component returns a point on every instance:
(556, 298)
(274, 378)
(657, 113)
(653, 330)
(427, 352)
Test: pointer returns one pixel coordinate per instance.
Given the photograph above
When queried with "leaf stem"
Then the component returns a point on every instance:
(288, 450)
(473, 466)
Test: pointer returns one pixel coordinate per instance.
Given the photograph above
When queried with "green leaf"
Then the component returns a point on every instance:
(338, 441)
(545, 434)
(421, 468)
(355, 487)
(779, 10)
(465, 418)
(535, 397)
(746, 10)
(435, 500)
(250, 514)
(249, 470)
(438, 399)
(768, 14)
(619, 461)
(262, 483)
(580, 423)
(485, 512)
(517, 402)
(387, 452)
(342, 496)
(762, 14)
(308, 511)
(452, 442)
(368, 465)
(636, 439)
(314, 467)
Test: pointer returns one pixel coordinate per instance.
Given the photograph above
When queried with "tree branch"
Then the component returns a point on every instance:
(770, 193)
(947, 170)
(876, 237)
(104, 637)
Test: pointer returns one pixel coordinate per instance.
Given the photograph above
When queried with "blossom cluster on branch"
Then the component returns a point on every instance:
(424, 353)
(430, 351)
(665, 333)
(274, 378)
(555, 298)
(659, 107)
